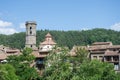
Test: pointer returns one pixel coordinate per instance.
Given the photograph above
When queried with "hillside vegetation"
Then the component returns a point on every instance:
(64, 38)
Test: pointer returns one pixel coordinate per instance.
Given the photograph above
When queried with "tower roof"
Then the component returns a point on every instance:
(48, 35)
(30, 22)
(51, 42)
(48, 41)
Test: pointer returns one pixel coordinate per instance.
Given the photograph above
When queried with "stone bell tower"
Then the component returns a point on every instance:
(30, 34)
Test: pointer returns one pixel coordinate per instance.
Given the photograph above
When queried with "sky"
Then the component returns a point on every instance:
(59, 14)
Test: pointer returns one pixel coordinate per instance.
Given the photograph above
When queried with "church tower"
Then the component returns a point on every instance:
(30, 34)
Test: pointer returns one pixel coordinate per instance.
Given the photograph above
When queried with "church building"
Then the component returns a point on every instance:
(44, 47)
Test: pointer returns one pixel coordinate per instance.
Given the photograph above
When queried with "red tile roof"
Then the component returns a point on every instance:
(3, 56)
(110, 53)
(12, 51)
(38, 55)
(102, 43)
(48, 40)
(48, 35)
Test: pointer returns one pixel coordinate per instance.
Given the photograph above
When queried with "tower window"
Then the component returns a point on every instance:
(30, 28)
(30, 32)
(31, 46)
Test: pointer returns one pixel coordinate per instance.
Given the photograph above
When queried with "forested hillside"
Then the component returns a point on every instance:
(64, 38)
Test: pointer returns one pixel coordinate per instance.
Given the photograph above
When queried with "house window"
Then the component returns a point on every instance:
(116, 66)
(119, 51)
(94, 57)
(108, 58)
(114, 49)
(116, 58)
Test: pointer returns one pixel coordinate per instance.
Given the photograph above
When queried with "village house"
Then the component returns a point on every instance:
(7, 51)
(103, 51)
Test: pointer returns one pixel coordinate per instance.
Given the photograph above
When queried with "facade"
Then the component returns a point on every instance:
(112, 57)
(98, 49)
(105, 51)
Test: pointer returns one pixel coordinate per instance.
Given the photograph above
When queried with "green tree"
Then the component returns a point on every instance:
(76, 61)
(64, 38)
(57, 67)
(60, 67)
(7, 72)
(96, 70)
(22, 65)
(81, 55)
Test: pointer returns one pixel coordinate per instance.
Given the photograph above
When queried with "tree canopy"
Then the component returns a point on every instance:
(60, 67)
(64, 38)
(7, 72)
(22, 63)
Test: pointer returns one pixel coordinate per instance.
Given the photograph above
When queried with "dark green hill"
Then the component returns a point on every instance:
(64, 38)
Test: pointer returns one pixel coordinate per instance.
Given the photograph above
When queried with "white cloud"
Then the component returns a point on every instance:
(7, 31)
(116, 27)
(6, 28)
(22, 25)
(84, 29)
(5, 23)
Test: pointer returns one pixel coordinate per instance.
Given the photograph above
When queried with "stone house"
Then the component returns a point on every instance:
(7, 51)
(103, 51)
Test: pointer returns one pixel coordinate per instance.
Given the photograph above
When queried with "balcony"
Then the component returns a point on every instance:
(111, 59)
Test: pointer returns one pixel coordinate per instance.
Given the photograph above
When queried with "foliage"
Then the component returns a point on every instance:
(22, 65)
(64, 38)
(60, 67)
(7, 72)
(57, 66)
(81, 55)
(96, 70)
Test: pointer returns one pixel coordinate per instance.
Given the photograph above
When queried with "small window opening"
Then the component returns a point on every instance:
(30, 28)
(31, 46)
(30, 32)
